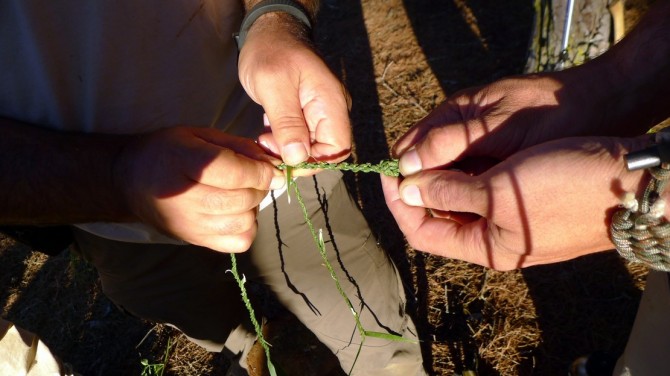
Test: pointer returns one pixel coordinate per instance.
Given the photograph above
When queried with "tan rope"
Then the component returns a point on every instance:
(639, 231)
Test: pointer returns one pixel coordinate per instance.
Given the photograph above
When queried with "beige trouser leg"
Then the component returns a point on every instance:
(648, 349)
(22, 353)
(188, 286)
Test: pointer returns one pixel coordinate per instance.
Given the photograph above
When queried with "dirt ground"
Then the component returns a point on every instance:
(399, 59)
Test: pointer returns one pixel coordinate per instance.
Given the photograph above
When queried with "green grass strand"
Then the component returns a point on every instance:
(252, 314)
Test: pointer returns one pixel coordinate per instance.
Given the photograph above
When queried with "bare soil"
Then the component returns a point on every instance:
(399, 59)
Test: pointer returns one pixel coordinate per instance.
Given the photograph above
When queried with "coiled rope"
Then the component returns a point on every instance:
(639, 231)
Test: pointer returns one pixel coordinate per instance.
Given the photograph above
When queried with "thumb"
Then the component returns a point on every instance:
(439, 236)
(446, 191)
(289, 129)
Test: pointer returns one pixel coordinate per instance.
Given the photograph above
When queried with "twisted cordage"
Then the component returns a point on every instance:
(388, 167)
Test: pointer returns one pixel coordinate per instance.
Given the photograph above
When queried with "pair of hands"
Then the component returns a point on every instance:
(507, 182)
(546, 199)
(203, 186)
(555, 143)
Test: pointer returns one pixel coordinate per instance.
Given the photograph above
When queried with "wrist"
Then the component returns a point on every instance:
(271, 26)
(273, 15)
(633, 77)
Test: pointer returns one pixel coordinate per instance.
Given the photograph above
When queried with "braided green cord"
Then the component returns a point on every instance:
(388, 167)
(318, 240)
(252, 315)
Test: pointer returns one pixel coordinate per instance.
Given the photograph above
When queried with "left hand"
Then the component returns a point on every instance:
(305, 104)
(548, 203)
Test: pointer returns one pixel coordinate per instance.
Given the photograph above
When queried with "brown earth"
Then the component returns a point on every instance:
(399, 60)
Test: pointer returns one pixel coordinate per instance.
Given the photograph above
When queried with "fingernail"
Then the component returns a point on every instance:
(411, 195)
(278, 182)
(294, 153)
(410, 163)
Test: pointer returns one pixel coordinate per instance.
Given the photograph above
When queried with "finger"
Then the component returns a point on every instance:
(459, 217)
(418, 131)
(226, 225)
(438, 236)
(325, 111)
(299, 172)
(221, 233)
(442, 137)
(283, 108)
(408, 217)
(213, 201)
(223, 168)
(327, 116)
(451, 191)
(239, 145)
(269, 145)
(438, 147)
(231, 243)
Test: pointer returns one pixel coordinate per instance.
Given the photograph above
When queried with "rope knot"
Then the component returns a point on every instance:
(639, 231)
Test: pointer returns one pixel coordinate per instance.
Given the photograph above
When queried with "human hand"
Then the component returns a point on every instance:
(545, 204)
(498, 120)
(306, 106)
(197, 184)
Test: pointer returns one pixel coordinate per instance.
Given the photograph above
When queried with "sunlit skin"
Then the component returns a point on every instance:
(195, 184)
(548, 155)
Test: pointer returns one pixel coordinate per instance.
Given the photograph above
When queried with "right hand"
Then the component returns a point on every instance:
(548, 203)
(306, 105)
(495, 121)
(198, 185)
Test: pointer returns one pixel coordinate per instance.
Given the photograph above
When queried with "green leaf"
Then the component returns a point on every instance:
(289, 181)
(390, 337)
(271, 368)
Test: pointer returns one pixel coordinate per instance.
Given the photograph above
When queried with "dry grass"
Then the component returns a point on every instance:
(399, 60)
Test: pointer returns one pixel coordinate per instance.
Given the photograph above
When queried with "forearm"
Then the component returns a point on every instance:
(49, 177)
(630, 84)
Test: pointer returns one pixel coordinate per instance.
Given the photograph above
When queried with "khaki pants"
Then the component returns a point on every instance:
(188, 286)
(648, 349)
(22, 353)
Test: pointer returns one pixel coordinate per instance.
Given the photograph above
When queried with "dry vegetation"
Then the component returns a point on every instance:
(399, 60)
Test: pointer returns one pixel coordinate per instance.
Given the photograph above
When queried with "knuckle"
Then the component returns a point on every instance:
(234, 225)
(446, 193)
(236, 176)
(440, 193)
(230, 201)
(264, 177)
(215, 203)
(290, 126)
(431, 145)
